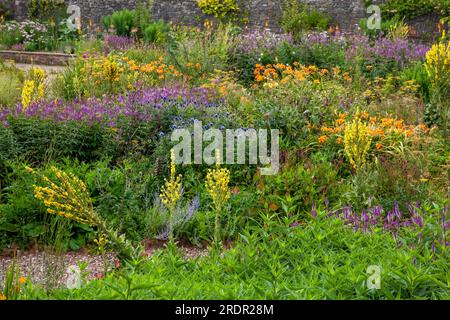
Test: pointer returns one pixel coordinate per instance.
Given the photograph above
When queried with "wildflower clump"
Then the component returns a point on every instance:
(357, 140)
(171, 193)
(67, 196)
(217, 185)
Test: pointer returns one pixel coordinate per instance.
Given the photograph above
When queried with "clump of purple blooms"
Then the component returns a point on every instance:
(400, 50)
(258, 41)
(389, 220)
(325, 38)
(117, 43)
(141, 105)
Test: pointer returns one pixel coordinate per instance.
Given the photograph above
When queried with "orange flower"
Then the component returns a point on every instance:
(378, 146)
(336, 71)
(347, 77)
(322, 139)
(339, 140)
(22, 280)
(423, 127)
(342, 115)
(364, 115)
(339, 121)
(326, 129)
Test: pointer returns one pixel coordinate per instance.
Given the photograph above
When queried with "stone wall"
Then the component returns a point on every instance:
(264, 13)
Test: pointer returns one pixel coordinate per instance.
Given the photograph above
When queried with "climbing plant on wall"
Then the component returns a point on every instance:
(218, 8)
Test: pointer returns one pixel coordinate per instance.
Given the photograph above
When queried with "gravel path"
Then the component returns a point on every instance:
(50, 270)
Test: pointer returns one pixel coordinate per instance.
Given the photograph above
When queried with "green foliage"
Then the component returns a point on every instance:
(419, 74)
(322, 260)
(210, 49)
(10, 37)
(301, 185)
(298, 18)
(156, 32)
(409, 9)
(44, 10)
(122, 21)
(10, 85)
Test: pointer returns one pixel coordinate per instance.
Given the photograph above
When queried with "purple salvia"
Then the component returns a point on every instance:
(313, 210)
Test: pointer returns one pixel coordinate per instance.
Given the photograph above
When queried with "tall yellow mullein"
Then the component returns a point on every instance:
(171, 192)
(357, 140)
(27, 93)
(217, 185)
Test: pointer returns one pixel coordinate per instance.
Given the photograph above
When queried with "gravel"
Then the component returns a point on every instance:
(50, 270)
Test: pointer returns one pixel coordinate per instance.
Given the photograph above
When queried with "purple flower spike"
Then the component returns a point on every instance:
(313, 210)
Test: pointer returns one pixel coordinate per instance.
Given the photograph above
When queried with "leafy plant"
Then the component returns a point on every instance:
(218, 8)
(156, 32)
(298, 18)
(122, 21)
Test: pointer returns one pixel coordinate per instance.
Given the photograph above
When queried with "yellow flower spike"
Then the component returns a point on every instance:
(217, 184)
(27, 93)
(357, 140)
(171, 191)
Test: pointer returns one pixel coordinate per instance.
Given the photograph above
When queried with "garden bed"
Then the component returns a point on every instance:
(39, 58)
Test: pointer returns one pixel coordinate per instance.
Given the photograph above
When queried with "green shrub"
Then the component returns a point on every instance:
(419, 74)
(45, 140)
(123, 22)
(156, 32)
(298, 18)
(210, 49)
